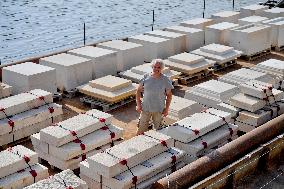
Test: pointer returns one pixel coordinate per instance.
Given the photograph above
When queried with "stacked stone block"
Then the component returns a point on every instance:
(67, 143)
(251, 10)
(273, 13)
(27, 113)
(134, 163)
(277, 32)
(226, 16)
(20, 168)
(5, 90)
(252, 20)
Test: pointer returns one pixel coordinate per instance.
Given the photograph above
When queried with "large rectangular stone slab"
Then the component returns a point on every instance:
(186, 58)
(255, 119)
(104, 61)
(190, 128)
(110, 83)
(154, 47)
(28, 76)
(23, 102)
(271, 66)
(226, 16)
(134, 151)
(61, 180)
(277, 31)
(251, 10)
(30, 117)
(229, 108)
(71, 71)
(199, 23)
(128, 54)
(12, 160)
(252, 20)
(24, 178)
(82, 124)
(247, 102)
(275, 12)
(194, 36)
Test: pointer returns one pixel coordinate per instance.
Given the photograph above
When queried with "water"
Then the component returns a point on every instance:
(36, 27)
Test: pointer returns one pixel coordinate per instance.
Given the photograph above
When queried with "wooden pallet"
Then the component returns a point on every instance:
(57, 97)
(218, 67)
(186, 79)
(104, 105)
(257, 55)
(69, 94)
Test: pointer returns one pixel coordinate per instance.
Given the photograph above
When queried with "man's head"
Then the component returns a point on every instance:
(157, 66)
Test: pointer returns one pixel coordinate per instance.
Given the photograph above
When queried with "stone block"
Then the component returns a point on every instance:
(218, 33)
(90, 182)
(190, 128)
(134, 151)
(23, 102)
(226, 16)
(178, 39)
(91, 141)
(194, 36)
(275, 12)
(203, 99)
(61, 180)
(104, 61)
(154, 47)
(254, 119)
(251, 10)
(252, 20)
(28, 76)
(30, 117)
(219, 53)
(108, 96)
(277, 31)
(91, 173)
(24, 178)
(186, 58)
(272, 66)
(39, 145)
(244, 127)
(82, 124)
(110, 83)
(145, 170)
(199, 23)
(5, 90)
(228, 108)
(27, 131)
(12, 160)
(71, 71)
(247, 102)
(129, 54)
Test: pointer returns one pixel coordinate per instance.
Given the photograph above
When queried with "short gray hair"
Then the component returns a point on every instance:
(159, 61)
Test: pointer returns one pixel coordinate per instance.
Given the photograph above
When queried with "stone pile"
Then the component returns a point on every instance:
(67, 143)
(5, 90)
(226, 16)
(137, 73)
(202, 132)
(251, 10)
(220, 53)
(135, 163)
(27, 113)
(252, 20)
(211, 93)
(257, 103)
(63, 180)
(19, 168)
(273, 13)
(277, 32)
(109, 89)
(188, 63)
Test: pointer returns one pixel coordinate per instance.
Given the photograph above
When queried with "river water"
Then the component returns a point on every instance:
(37, 27)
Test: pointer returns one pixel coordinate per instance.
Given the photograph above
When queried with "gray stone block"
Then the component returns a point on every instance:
(24, 178)
(199, 23)
(12, 160)
(28, 76)
(61, 180)
(82, 124)
(255, 119)
(228, 108)
(226, 16)
(244, 127)
(251, 10)
(23, 102)
(252, 20)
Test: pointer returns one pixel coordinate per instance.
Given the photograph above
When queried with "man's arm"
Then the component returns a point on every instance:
(138, 98)
(168, 102)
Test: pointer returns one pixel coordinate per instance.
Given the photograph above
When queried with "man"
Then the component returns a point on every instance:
(157, 96)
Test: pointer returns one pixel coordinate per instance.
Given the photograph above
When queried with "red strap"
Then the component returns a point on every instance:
(134, 179)
(11, 123)
(41, 97)
(102, 120)
(104, 128)
(112, 135)
(51, 109)
(33, 173)
(164, 143)
(73, 133)
(2, 109)
(174, 159)
(77, 140)
(123, 162)
(204, 144)
(196, 132)
(231, 131)
(26, 158)
(83, 146)
(84, 157)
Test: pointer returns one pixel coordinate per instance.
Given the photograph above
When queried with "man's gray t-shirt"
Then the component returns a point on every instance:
(154, 94)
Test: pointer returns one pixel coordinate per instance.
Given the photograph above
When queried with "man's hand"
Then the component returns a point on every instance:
(139, 108)
(165, 112)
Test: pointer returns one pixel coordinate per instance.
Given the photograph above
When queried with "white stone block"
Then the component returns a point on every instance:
(226, 16)
(154, 47)
(178, 39)
(28, 76)
(251, 10)
(186, 59)
(5, 90)
(271, 66)
(199, 23)
(277, 31)
(128, 54)
(250, 39)
(110, 83)
(82, 124)
(218, 33)
(219, 53)
(194, 36)
(252, 20)
(244, 127)
(12, 159)
(255, 119)
(23, 102)
(273, 13)
(24, 178)
(228, 108)
(39, 145)
(27, 131)
(104, 61)
(134, 151)
(190, 128)
(203, 99)
(247, 102)
(30, 117)
(92, 184)
(71, 71)
(145, 170)
(61, 180)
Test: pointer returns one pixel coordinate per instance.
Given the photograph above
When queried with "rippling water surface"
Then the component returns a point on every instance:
(37, 27)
